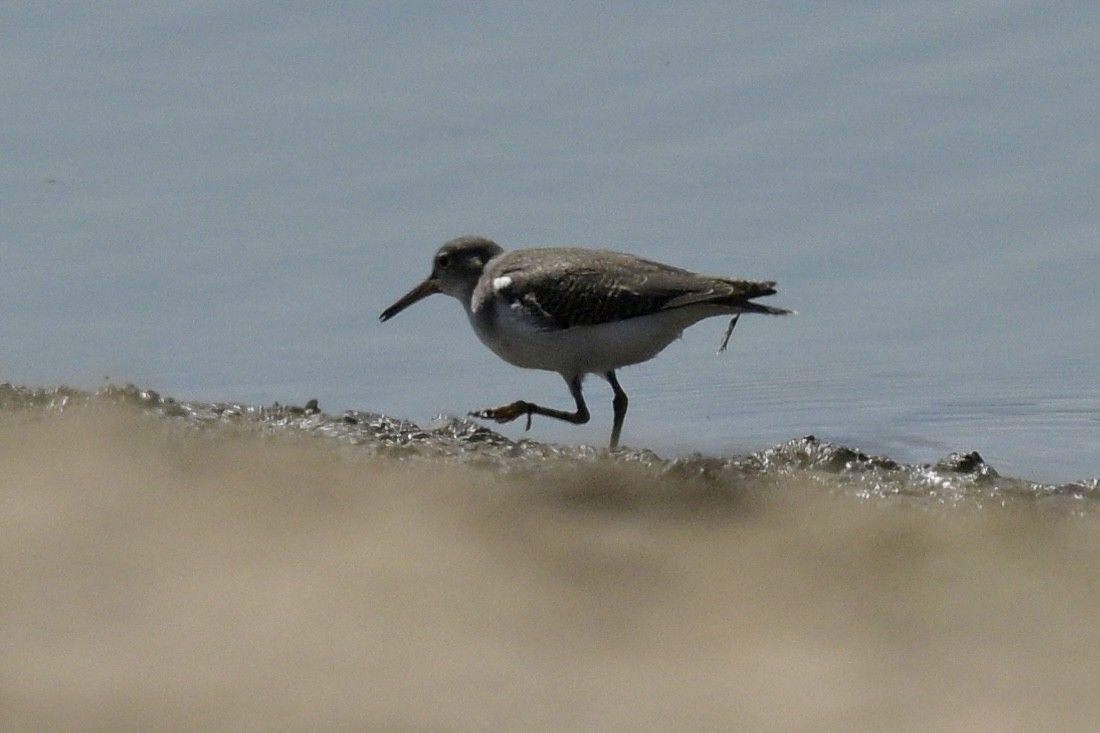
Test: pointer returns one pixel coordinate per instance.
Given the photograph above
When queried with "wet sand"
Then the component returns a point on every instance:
(155, 578)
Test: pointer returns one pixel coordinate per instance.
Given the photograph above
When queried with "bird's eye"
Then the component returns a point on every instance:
(443, 260)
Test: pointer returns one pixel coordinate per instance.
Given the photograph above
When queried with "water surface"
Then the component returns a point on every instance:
(217, 202)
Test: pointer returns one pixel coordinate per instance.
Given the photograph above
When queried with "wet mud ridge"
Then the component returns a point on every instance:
(958, 477)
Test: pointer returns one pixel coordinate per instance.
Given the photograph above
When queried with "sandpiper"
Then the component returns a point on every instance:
(577, 312)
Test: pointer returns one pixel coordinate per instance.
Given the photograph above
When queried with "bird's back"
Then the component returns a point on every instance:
(581, 287)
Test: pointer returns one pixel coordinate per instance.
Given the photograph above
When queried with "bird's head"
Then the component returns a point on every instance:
(456, 268)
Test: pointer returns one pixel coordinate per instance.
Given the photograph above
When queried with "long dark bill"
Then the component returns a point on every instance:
(421, 291)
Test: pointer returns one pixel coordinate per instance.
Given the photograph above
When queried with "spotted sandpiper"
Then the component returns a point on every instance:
(577, 312)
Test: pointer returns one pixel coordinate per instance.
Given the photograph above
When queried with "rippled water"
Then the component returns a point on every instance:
(213, 203)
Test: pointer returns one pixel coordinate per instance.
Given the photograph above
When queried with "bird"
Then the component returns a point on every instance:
(576, 312)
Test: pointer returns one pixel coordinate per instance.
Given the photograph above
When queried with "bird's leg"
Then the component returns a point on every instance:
(618, 404)
(508, 413)
(729, 332)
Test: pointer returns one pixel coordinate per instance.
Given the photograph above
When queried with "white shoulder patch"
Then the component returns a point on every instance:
(500, 283)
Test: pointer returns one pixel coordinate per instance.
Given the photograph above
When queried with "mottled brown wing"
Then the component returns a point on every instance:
(589, 287)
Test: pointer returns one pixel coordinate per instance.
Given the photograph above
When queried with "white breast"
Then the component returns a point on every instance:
(517, 339)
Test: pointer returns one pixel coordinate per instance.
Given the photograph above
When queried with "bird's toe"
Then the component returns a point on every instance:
(505, 413)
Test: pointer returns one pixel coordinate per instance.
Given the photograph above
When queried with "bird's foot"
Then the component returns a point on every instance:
(507, 413)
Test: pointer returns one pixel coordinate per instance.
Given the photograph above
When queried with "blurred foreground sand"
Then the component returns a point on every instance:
(154, 579)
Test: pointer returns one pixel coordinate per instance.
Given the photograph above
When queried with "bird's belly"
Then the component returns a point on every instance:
(582, 349)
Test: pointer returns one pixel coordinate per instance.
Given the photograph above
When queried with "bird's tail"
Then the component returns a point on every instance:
(744, 292)
(747, 306)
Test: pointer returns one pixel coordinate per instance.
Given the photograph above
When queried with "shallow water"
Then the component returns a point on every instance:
(217, 203)
(183, 566)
